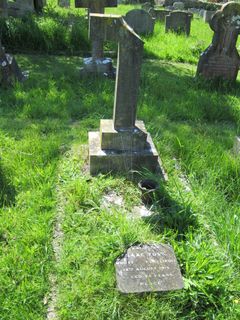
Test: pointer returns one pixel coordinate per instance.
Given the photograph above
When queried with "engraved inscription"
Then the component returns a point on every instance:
(148, 268)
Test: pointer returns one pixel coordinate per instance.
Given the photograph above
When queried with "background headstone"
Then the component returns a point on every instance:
(9, 69)
(146, 6)
(161, 14)
(3, 8)
(148, 268)
(64, 3)
(141, 21)
(221, 59)
(236, 146)
(178, 5)
(178, 22)
(207, 15)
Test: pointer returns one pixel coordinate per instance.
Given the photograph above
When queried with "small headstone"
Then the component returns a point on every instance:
(178, 22)
(178, 5)
(141, 21)
(148, 268)
(207, 15)
(9, 69)
(221, 59)
(64, 3)
(236, 146)
(161, 14)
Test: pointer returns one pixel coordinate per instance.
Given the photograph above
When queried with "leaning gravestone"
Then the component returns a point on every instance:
(141, 21)
(9, 69)
(123, 143)
(221, 59)
(97, 63)
(178, 22)
(148, 268)
(3, 8)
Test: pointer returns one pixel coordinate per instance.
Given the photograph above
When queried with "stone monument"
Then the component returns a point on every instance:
(148, 268)
(161, 14)
(141, 21)
(221, 59)
(9, 69)
(178, 5)
(3, 8)
(123, 143)
(97, 63)
(178, 22)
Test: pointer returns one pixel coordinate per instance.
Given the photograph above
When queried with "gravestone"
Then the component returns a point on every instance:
(64, 3)
(9, 69)
(97, 63)
(161, 14)
(141, 21)
(207, 15)
(221, 59)
(3, 8)
(19, 8)
(146, 6)
(178, 5)
(148, 268)
(236, 146)
(123, 143)
(178, 22)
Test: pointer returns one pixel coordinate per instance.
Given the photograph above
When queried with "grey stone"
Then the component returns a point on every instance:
(122, 143)
(178, 5)
(148, 268)
(161, 14)
(3, 8)
(64, 3)
(19, 8)
(9, 69)
(141, 21)
(221, 59)
(236, 146)
(178, 22)
(146, 6)
(97, 64)
(207, 15)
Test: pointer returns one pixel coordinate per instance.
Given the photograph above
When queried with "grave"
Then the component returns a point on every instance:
(207, 15)
(148, 268)
(123, 143)
(178, 22)
(64, 3)
(221, 59)
(9, 69)
(178, 5)
(96, 64)
(141, 21)
(161, 14)
(19, 8)
(3, 8)
(146, 6)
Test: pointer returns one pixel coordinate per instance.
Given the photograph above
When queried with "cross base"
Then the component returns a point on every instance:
(102, 66)
(105, 161)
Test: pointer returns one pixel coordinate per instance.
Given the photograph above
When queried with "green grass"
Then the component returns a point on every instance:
(42, 127)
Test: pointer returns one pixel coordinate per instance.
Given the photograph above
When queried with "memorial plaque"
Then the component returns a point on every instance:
(146, 268)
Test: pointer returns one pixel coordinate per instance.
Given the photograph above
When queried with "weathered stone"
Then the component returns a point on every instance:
(146, 6)
(178, 5)
(178, 22)
(9, 69)
(122, 143)
(161, 14)
(141, 21)
(148, 268)
(207, 15)
(97, 63)
(221, 59)
(64, 3)
(3, 8)
(19, 8)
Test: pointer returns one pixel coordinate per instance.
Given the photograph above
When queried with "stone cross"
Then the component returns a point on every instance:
(96, 6)
(123, 143)
(221, 58)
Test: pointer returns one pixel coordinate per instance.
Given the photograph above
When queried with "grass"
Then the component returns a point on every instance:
(43, 133)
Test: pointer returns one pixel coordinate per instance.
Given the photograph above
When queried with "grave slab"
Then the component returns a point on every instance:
(148, 268)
